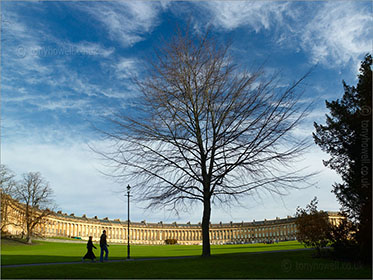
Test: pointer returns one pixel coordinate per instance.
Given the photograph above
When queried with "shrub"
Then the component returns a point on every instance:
(170, 241)
(313, 227)
(343, 240)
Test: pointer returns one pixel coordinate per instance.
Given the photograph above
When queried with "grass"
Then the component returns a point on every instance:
(228, 261)
(63, 252)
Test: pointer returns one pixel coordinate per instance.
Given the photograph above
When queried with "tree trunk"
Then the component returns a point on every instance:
(28, 239)
(206, 228)
(28, 234)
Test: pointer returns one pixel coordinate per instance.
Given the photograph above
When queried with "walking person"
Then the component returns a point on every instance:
(103, 246)
(90, 255)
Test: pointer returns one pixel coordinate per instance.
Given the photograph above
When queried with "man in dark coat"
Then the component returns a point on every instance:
(90, 254)
(103, 246)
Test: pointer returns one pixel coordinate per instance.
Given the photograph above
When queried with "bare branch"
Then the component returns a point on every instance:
(206, 130)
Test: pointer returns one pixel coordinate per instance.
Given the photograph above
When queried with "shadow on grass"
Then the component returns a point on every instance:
(16, 242)
(35, 259)
(270, 247)
(296, 264)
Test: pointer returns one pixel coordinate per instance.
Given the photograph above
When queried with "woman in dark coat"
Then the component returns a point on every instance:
(90, 254)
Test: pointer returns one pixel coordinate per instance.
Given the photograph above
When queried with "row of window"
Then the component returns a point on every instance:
(64, 229)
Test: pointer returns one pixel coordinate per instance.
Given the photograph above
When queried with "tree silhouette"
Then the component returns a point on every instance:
(205, 131)
(347, 138)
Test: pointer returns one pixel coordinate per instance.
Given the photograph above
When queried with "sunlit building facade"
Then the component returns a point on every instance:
(63, 225)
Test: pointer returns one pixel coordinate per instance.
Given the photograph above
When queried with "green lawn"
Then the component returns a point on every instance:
(229, 261)
(61, 252)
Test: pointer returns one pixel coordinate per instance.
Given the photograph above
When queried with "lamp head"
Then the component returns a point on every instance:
(128, 188)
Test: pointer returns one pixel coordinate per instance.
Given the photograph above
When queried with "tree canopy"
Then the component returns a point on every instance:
(347, 138)
(36, 194)
(207, 131)
(313, 227)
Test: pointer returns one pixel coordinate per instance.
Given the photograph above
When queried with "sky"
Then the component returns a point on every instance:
(65, 66)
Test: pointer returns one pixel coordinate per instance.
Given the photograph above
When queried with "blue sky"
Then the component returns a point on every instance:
(65, 65)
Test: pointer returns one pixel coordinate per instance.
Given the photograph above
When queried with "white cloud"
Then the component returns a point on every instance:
(37, 75)
(125, 21)
(338, 33)
(332, 33)
(254, 14)
(126, 67)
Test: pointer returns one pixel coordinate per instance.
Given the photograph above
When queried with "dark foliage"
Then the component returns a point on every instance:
(343, 241)
(313, 227)
(170, 241)
(347, 138)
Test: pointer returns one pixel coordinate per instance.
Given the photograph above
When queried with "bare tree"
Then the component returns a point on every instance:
(36, 194)
(7, 184)
(205, 131)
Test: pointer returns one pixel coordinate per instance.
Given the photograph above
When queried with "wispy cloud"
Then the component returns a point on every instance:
(331, 33)
(339, 32)
(126, 67)
(256, 15)
(125, 21)
(40, 73)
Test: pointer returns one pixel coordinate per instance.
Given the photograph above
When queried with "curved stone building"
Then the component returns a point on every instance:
(63, 225)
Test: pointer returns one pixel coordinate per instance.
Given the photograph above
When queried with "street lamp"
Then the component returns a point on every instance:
(128, 222)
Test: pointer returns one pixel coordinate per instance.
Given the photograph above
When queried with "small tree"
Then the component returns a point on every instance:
(313, 227)
(7, 184)
(36, 194)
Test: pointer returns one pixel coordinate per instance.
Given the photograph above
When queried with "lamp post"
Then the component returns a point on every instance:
(128, 222)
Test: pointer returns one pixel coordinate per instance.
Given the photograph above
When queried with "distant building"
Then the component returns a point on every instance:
(68, 225)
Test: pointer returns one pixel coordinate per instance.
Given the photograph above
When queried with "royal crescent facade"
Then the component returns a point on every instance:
(63, 225)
